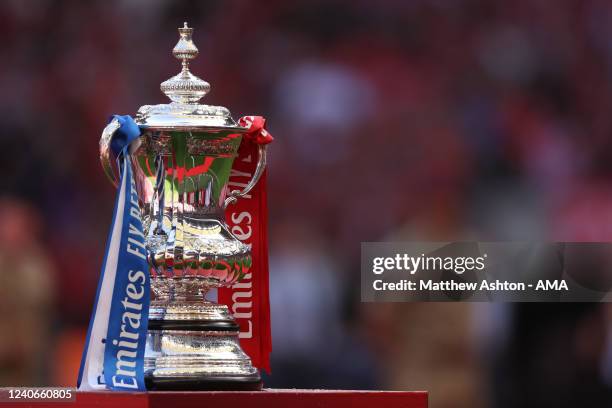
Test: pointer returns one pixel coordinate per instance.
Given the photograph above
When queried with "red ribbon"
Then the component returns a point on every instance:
(249, 299)
(256, 132)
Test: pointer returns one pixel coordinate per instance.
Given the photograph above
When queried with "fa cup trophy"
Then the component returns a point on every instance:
(181, 166)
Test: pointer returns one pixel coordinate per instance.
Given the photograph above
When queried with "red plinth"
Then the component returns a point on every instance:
(260, 399)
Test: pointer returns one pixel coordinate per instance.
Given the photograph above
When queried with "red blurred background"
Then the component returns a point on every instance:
(394, 120)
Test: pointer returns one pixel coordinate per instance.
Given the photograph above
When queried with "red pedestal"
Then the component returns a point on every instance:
(260, 399)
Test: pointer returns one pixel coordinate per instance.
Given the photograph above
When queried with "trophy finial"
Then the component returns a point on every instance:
(185, 87)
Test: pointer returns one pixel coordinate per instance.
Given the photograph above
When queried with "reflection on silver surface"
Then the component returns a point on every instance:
(190, 353)
(182, 194)
(189, 310)
(105, 150)
(181, 168)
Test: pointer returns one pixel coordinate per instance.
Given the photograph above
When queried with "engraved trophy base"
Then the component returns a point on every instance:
(195, 346)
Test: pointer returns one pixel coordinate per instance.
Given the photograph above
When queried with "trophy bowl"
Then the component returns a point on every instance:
(182, 164)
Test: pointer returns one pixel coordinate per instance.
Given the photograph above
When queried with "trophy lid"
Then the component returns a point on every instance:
(185, 90)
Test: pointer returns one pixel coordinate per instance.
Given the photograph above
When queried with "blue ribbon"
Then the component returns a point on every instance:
(114, 351)
(126, 134)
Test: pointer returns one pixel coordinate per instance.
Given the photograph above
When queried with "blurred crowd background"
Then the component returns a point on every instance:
(394, 120)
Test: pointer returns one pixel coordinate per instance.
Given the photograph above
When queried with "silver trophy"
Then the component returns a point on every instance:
(182, 164)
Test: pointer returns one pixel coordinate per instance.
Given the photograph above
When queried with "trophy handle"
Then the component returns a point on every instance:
(105, 150)
(234, 195)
